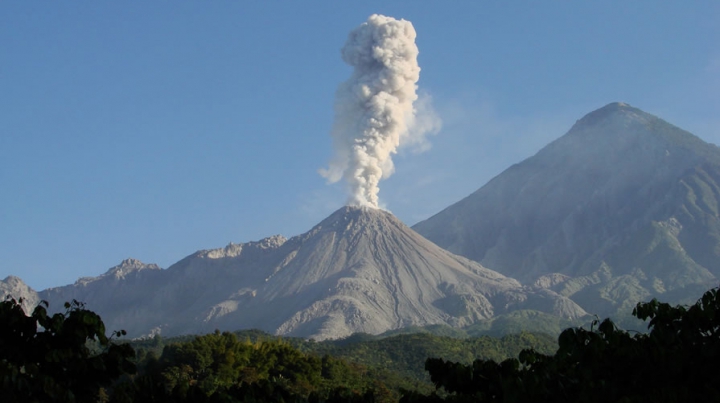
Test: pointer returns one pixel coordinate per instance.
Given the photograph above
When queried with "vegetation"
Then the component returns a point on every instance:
(405, 354)
(48, 358)
(219, 367)
(523, 321)
(675, 362)
(398, 359)
(66, 357)
(233, 366)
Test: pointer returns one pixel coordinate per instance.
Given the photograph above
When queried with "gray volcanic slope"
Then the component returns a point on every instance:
(359, 270)
(624, 207)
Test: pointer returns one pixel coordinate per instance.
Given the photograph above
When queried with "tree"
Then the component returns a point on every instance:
(65, 357)
(676, 361)
(217, 367)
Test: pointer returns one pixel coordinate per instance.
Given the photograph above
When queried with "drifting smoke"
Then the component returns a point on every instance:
(375, 110)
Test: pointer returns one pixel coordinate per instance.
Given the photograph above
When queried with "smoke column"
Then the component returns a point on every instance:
(374, 111)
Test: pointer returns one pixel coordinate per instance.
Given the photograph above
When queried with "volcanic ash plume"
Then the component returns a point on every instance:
(374, 111)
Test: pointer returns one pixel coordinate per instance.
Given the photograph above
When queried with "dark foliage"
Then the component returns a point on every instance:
(395, 361)
(219, 367)
(676, 361)
(65, 357)
(405, 354)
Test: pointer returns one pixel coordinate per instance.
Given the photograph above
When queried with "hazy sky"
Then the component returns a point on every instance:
(154, 129)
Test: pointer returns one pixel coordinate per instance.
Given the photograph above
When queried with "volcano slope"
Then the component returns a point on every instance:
(622, 208)
(359, 270)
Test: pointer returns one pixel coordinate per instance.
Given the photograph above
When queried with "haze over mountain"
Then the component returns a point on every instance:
(624, 207)
(359, 270)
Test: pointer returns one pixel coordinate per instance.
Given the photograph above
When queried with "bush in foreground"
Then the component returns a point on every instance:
(47, 358)
(676, 361)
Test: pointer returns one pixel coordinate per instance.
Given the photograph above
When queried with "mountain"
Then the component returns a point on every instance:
(16, 288)
(624, 207)
(359, 270)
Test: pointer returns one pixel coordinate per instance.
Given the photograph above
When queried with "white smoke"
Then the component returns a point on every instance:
(376, 110)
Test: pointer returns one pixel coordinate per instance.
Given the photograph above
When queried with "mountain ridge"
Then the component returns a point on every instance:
(624, 207)
(576, 206)
(359, 270)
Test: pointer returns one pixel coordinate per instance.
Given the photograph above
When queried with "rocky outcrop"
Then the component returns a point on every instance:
(14, 287)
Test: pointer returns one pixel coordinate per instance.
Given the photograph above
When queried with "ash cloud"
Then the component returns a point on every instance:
(377, 110)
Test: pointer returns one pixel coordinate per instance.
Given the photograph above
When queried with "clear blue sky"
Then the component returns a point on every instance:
(154, 129)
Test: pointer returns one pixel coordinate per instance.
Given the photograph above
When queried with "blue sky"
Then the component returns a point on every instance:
(154, 129)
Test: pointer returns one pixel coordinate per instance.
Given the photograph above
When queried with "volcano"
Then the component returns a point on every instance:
(363, 270)
(359, 270)
(622, 208)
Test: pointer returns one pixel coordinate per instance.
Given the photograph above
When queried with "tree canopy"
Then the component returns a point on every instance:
(218, 367)
(676, 361)
(65, 357)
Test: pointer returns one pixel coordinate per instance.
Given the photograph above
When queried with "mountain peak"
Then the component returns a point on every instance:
(13, 280)
(618, 127)
(125, 267)
(357, 211)
(359, 270)
(362, 269)
(130, 262)
(622, 191)
(614, 112)
(615, 107)
(355, 217)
